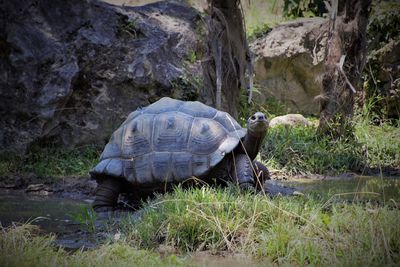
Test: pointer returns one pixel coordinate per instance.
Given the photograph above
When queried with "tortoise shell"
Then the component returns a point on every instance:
(169, 141)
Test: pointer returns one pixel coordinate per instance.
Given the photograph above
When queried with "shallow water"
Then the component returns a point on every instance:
(358, 188)
(52, 214)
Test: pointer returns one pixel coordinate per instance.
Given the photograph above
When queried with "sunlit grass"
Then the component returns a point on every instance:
(301, 150)
(380, 144)
(316, 230)
(262, 12)
(292, 230)
(24, 246)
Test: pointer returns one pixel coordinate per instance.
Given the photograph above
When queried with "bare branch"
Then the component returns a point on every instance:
(340, 68)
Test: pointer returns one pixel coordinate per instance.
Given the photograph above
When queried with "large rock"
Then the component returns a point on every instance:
(289, 64)
(293, 120)
(71, 71)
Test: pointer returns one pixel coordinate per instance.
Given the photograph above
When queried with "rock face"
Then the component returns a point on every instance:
(71, 71)
(290, 70)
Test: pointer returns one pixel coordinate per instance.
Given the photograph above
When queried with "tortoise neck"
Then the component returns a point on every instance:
(252, 143)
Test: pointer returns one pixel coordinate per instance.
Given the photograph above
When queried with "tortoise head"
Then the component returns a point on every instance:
(257, 124)
(257, 127)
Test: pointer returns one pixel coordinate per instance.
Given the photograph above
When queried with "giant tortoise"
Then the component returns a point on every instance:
(171, 141)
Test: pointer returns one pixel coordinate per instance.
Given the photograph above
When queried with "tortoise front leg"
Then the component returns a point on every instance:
(261, 174)
(243, 172)
(107, 194)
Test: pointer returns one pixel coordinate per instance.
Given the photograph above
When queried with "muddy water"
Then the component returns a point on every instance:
(51, 213)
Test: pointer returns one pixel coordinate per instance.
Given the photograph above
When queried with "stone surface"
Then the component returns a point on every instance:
(71, 71)
(289, 64)
(290, 120)
(36, 188)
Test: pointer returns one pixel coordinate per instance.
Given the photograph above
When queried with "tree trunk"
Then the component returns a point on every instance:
(345, 58)
(227, 57)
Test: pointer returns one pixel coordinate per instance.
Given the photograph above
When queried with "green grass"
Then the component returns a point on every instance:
(51, 161)
(293, 230)
(262, 12)
(300, 150)
(298, 230)
(380, 144)
(24, 246)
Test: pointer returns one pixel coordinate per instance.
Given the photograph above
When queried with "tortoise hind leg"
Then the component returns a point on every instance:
(107, 194)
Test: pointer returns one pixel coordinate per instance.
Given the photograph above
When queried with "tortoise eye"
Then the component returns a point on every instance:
(253, 118)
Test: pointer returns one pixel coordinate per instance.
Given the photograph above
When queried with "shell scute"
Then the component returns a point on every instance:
(171, 132)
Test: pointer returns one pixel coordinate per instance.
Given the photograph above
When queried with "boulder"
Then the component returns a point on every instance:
(288, 64)
(71, 71)
(289, 120)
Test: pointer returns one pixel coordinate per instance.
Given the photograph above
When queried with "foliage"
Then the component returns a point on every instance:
(86, 217)
(193, 56)
(303, 8)
(188, 85)
(129, 27)
(258, 31)
(283, 230)
(380, 81)
(51, 161)
(300, 150)
(24, 246)
(384, 23)
(270, 107)
(261, 14)
(380, 143)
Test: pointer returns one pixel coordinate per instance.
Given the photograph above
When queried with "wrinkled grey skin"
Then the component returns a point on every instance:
(171, 141)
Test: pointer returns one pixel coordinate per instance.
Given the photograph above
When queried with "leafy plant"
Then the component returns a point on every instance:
(86, 217)
(259, 31)
(129, 27)
(303, 8)
(379, 77)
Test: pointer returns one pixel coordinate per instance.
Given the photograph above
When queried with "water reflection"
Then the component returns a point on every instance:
(52, 214)
(358, 188)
